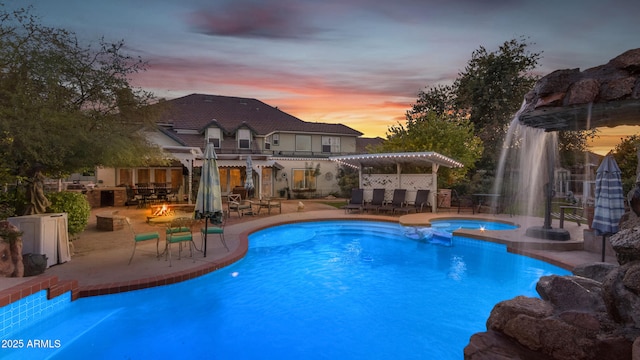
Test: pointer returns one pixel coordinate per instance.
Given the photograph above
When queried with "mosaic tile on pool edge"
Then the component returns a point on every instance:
(26, 311)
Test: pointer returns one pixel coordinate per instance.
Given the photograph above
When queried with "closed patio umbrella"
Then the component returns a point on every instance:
(209, 198)
(609, 206)
(248, 184)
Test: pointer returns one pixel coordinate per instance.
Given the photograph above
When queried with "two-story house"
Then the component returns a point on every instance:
(286, 152)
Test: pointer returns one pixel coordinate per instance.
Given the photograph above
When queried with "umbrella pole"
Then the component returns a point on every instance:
(604, 239)
(206, 230)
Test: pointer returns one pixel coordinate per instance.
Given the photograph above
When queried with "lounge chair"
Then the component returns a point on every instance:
(397, 201)
(376, 202)
(139, 237)
(356, 202)
(422, 201)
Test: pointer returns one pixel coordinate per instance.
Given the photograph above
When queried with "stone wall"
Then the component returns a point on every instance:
(95, 196)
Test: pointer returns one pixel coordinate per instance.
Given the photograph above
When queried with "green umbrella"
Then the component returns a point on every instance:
(209, 198)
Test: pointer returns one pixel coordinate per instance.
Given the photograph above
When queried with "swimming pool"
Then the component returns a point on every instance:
(317, 290)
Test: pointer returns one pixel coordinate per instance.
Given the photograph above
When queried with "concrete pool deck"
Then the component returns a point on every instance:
(99, 264)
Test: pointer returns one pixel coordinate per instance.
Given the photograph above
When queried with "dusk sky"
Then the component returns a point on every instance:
(356, 62)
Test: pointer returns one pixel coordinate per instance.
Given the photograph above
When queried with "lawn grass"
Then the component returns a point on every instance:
(335, 204)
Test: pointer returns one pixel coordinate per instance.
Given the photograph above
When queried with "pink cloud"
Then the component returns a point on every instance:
(247, 19)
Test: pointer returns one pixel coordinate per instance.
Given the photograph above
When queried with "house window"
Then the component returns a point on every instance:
(304, 179)
(303, 142)
(330, 144)
(275, 139)
(244, 139)
(267, 143)
(213, 136)
(126, 177)
(229, 178)
(143, 177)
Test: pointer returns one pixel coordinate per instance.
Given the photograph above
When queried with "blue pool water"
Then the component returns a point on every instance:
(440, 232)
(318, 290)
(471, 224)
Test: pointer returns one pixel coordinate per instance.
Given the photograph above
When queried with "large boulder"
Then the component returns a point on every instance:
(575, 318)
(595, 271)
(571, 293)
(626, 244)
(621, 294)
(605, 95)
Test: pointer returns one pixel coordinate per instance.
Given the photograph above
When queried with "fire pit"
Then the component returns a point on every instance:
(166, 212)
(161, 210)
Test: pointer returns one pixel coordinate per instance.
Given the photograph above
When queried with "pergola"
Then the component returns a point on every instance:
(429, 158)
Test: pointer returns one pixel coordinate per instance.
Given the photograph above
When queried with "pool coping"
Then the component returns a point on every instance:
(55, 287)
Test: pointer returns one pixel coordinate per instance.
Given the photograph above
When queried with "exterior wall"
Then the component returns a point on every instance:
(326, 183)
(106, 177)
(348, 144)
(284, 153)
(287, 145)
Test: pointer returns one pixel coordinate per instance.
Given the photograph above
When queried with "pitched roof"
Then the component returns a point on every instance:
(363, 143)
(199, 111)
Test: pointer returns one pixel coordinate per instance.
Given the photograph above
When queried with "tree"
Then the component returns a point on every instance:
(492, 88)
(626, 155)
(65, 107)
(573, 144)
(440, 99)
(447, 134)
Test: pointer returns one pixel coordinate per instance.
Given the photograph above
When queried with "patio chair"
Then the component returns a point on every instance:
(132, 199)
(376, 202)
(215, 227)
(268, 203)
(178, 232)
(397, 201)
(356, 202)
(236, 204)
(139, 237)
(461, 201)
(421, 201)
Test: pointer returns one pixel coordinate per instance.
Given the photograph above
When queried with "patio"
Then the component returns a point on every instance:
(99, 264)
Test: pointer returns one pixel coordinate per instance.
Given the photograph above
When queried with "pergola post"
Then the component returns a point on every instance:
(434, 176)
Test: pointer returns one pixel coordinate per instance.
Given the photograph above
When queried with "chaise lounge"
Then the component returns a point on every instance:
(421, 201)
(356, 202)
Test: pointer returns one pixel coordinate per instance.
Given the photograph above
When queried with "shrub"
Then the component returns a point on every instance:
(75, 205)
(7, 205)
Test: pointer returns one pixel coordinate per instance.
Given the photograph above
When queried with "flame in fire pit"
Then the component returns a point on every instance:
(162, 211)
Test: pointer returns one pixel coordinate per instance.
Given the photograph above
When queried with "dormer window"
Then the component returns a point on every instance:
(244, 139)
(214, 137)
